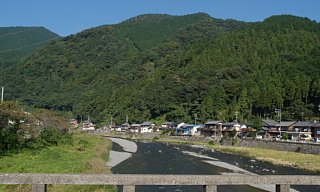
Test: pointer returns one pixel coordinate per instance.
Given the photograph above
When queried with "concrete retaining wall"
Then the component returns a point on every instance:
(283, 146)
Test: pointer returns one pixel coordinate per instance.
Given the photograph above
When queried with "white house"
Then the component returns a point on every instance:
(146, 130)
(88, 126)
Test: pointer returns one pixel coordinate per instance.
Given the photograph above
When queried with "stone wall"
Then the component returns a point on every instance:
(277, 145)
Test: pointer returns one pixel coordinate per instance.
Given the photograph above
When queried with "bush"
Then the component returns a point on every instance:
(235, 141)
(155, 138)
(54, 136)
(168, 132)
(211, 142)
(285, 136)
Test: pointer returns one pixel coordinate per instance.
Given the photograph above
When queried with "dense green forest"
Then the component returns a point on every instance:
(162, 67)
(19, 42)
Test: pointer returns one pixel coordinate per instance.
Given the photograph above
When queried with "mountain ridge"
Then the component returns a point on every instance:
(210, 67)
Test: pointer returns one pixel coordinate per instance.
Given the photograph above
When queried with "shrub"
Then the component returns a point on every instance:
(211, 142)
(155, 138)
(235, 141)
(285, 136)
(54, 136)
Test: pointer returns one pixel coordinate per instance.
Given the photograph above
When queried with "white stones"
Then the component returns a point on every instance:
(116, 157)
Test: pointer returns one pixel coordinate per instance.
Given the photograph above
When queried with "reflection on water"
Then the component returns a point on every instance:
(157, 158)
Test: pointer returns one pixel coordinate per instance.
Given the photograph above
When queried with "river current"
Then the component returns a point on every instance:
(159, 158)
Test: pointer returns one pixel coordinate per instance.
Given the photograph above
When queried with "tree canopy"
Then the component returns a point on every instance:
(173, 67)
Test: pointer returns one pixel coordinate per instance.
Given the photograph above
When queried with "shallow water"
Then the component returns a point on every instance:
(158, 158)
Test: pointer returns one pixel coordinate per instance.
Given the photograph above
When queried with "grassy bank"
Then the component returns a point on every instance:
(299, 160)
(86, 154)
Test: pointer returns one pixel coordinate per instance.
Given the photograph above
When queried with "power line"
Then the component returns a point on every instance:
(26, 46)
(13, 33)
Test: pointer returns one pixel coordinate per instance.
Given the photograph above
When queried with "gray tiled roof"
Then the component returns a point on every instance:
(269, 122)
(285, 123)
(213, 122)
(304, 124)
(135, 125)
(230, 124)
(316, 124)
(147, 123)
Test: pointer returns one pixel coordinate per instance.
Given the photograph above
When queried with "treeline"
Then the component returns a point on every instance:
(188, 66)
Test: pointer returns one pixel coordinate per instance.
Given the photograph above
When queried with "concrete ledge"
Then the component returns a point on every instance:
(137, 179)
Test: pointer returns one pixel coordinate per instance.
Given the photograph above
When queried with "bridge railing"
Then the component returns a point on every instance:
(39, 182)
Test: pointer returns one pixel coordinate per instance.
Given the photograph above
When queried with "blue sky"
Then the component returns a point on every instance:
(66, 17)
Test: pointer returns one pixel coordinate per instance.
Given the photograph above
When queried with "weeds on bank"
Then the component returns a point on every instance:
(86, 154)
(293, 159)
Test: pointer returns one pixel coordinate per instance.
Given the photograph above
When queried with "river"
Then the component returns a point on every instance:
(159, 158)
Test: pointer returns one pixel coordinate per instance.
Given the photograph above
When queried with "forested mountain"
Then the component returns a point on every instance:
(157, 67)
(19, 42)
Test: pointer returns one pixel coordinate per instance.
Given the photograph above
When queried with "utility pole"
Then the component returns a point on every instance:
(111, 122)
(319, 108)
(127, 119)
(236, 113)
(2, 90)
(279, 112)
(280, 124)
(195, 119)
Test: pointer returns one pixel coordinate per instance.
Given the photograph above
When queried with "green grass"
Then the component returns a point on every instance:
(87, 154)
(300, 160)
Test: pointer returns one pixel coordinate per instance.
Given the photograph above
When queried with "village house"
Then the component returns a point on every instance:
(73, 123)
(273, 130)
(134, 128)
(269, 124)
(169, 125)
(195, 131)
(269, 128)
(315, 130)
(148, 127)
(228, 128)
(88, 126)
(124, 127)
(119, 128)
(211, 128)
(184, 129)
(300, 130)
(247, 130)
(146, 130)
(283, 127)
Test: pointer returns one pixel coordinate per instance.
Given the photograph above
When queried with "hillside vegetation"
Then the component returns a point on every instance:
(19, 42)
(162, 67)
